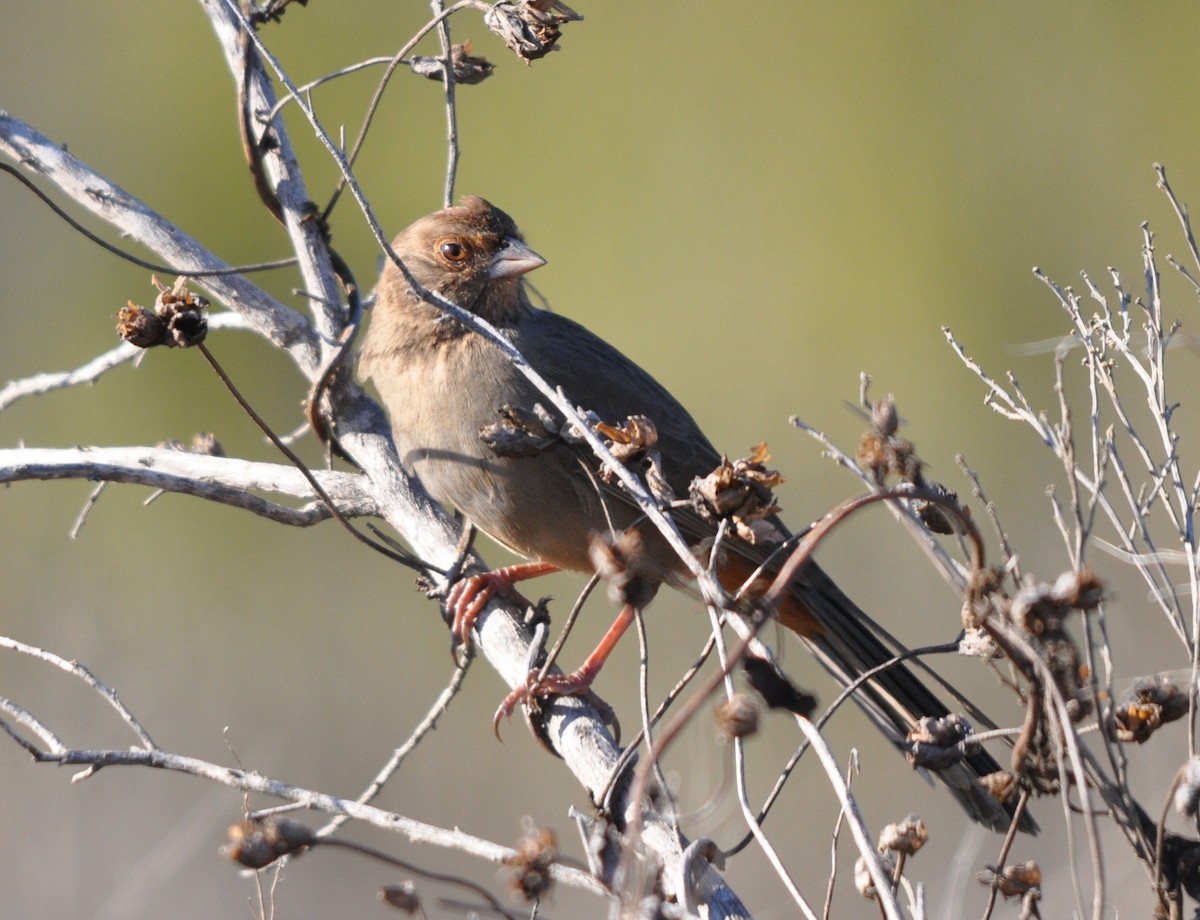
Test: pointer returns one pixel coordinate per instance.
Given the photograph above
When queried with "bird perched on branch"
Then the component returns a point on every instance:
(443, 384)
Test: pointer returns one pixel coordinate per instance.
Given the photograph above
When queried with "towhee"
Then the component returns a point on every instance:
(442, 384)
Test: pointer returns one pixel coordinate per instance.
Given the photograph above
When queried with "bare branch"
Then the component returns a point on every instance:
(75, 668)
(93, 370)
(249, 781)
(221, 479)
(40, 156)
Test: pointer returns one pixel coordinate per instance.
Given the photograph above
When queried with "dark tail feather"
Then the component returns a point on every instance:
(896, 699)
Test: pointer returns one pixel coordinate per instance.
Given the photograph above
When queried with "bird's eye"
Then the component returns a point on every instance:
(452, 251)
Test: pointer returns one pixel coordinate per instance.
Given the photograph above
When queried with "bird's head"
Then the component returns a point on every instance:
(473, 255)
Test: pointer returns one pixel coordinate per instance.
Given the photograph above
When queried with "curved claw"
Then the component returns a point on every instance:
(466, 600)
(510, 703)
(468, 596)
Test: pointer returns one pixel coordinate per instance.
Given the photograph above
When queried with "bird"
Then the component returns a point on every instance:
(442, 383)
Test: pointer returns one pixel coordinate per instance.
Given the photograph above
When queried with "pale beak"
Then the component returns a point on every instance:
(513, 259)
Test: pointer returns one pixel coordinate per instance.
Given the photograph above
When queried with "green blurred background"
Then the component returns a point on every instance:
(757, 202)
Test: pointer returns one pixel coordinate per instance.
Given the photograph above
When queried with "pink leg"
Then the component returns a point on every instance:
(468, 596)
(571, 684)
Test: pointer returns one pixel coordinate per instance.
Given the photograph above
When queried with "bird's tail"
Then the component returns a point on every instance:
(842, 639)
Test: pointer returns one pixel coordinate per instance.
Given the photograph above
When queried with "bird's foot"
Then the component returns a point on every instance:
(573, 684)
(468, 596)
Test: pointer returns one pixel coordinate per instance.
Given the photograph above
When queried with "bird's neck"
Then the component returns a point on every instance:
(502, 303)
(404, 322)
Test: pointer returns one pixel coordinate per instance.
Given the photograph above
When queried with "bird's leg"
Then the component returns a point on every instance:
(468, 596)
(578, 681)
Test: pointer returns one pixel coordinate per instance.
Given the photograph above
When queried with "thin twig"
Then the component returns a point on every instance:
(426, 725)
(78, 670)
(135, 260)
(253, 782)
(452, 152)
(405, 559)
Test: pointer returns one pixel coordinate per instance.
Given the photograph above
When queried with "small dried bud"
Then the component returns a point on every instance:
(737, 717)
(1000, 785)
(933, 515)
(402, 897)
(885, 421)
(937, 743)
(258, 843)
(863, 883)
(872, 456)
(1014, 881)
(467, 69)
(1082, 590)
(741, 493)
(529, 27)
(905, 836)
(621, 562)
(536, 853)
(178, 320)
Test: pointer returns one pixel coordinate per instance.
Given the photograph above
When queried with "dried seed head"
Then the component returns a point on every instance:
(1001, 785)
(138, 326)
(467, 69)
(259, 842)
(636, 436)
(937, 743)
(536, 852)
(178, 319)
(976, 643)
(863, 882)
(1152, 703)
(531, 28)
(740, 492)
(737, 717)
(1015, 881)
(403, 897)
(905, 836)
(621, 562)
(634, 440)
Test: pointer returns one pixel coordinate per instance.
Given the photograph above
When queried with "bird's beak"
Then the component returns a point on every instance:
(513, 259)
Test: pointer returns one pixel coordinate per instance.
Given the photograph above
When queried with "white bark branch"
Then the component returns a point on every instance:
(226, 480)
(43, 158)
(416, 831)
